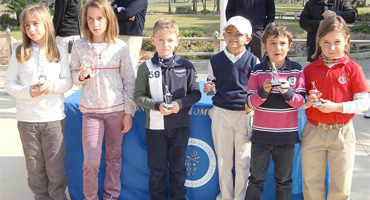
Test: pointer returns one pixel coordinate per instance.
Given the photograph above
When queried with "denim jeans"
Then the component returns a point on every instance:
(167, 150)
(282, 156)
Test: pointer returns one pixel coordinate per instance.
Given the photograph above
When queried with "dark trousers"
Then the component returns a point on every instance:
(166, 150)
(282, 156)
(255, 45)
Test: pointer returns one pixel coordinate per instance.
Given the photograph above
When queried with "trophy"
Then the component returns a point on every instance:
(210, 82)
(86, 65)
(87, 76)
(274, 76)
(316, 91)
(42, 79)
(168, 99)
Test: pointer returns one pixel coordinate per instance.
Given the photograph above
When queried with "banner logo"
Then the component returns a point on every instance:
(198, 172)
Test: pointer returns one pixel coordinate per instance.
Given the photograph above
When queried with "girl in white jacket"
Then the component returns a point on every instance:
(38, 76)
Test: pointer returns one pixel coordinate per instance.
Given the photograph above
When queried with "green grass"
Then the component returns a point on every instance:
(162, 7)
(209, 23)
(363, 10)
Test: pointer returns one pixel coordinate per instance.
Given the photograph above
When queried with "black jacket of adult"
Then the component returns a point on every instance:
(66, 22)
(258, 12)
(131, 8)
(312, 15)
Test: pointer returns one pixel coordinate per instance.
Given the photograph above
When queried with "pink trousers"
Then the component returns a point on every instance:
(94, 127)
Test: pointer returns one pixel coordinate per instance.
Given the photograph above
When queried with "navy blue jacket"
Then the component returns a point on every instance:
(232, 80)
(66, 18)
(258, 12)
(135, 8)
(182, 81)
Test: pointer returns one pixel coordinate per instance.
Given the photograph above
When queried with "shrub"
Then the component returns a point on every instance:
(185, 46)
(363, 28)
(193, 32)
(6, 20)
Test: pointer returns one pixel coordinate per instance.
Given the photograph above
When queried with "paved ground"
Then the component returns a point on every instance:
(13, 175)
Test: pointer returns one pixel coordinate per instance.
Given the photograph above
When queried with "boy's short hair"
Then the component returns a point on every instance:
(243, 25)
(275, 29)
(166, 23)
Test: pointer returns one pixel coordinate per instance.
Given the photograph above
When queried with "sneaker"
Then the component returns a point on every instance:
(367, 114)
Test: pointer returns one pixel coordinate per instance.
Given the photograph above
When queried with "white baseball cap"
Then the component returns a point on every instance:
(243, 25)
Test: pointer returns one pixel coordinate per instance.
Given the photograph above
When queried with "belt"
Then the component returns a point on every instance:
(330, 126)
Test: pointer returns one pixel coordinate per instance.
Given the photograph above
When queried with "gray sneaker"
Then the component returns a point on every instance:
(367, 114)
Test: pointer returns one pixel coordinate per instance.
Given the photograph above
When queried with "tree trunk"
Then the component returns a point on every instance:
(169, 6)
(195, 6)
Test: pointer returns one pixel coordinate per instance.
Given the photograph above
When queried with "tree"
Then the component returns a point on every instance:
(169, 6)
(17, 6)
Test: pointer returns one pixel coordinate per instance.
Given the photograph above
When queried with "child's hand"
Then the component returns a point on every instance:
(127, 123)
(47, 87)
(35, 91)
(313, 97)
(329, 106)
(267, 85)
(164, 111)
(283, 88)
(176, 108)
(84, 71)
(208, 87)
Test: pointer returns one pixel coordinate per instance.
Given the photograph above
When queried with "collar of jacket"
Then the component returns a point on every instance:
(176, 61)
(326, 2)
(287, 65)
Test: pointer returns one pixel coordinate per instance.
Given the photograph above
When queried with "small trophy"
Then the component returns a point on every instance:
(316, 91)
(168, 99)
(86, 65)
(42, 79)
(87, 76)
(274, 76)
(210, 82)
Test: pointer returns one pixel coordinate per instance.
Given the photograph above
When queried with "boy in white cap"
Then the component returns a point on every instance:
(229, 70)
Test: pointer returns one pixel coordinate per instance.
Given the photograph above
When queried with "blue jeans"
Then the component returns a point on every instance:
(167, 150)
(282, 156)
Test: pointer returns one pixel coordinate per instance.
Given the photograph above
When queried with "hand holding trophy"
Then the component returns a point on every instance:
(87, 67)
(316, 92)
(211, 85)
(274, 76)
(42, 79)
(168, 99)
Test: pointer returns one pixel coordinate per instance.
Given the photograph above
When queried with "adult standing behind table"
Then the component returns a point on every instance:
(131, 18)
(317, 10)
(66, 22)
(259, 13)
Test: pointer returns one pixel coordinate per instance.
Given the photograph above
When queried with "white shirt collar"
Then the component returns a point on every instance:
(233, 58)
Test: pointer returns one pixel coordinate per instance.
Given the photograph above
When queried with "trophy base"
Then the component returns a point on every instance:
(90, 76)
(317, 104)
(210, 93)
(38, 86)
(169, 106)
(275, 84)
